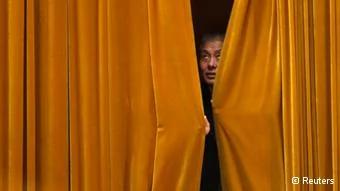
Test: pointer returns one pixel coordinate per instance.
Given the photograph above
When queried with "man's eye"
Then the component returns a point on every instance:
(205, 57)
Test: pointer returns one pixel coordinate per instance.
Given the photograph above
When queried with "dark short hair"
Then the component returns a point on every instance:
(211, 37)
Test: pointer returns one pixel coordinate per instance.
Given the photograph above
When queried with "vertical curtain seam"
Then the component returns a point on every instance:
(316, 142)
(315, 110)
(312, 129)
(154, 91)
(68, 95)
(24, 134)
(283, 109)
(36, 69)
(29, 97)
(333, 52)
(151, 62)
(108, 6)
(191, 24)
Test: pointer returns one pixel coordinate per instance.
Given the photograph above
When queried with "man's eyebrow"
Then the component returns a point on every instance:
(218, 51)
(204, 51)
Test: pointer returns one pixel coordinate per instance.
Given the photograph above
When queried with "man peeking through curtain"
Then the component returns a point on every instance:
(209, 56)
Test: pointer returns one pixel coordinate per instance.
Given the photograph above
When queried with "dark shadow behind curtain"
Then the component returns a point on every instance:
(210, 17)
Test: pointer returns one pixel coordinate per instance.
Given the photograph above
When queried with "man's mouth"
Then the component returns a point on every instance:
(210, 75)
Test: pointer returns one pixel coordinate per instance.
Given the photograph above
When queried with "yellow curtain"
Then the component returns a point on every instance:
(311, 87)
(12, 117)
(104, 95)
(99, 95)
(276, 97)
(136, 120)
(247, 100)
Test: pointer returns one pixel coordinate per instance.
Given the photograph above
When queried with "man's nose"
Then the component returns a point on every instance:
(212, 63)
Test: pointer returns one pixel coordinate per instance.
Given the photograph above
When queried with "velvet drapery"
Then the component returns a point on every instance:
(99, 95)
(276, 98)
(104, 95)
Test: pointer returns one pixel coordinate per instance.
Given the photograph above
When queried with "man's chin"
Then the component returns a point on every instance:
(209, 82)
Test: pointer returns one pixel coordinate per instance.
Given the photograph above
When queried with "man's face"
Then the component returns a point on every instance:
(209, 59)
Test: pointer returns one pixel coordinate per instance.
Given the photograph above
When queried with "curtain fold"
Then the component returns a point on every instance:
(79, 87)
(136, 121)
(334, 14)
(104, 95)
(276, 96)
(12, 117)
(47, 150)
(178, 102)
(113, 123)
(247, 100)
(308, 59)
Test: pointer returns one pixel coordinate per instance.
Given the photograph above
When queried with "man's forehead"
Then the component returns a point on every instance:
(211, 49)
(214, 44)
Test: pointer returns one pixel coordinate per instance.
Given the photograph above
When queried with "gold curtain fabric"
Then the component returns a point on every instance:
(136, 120)
(104, 95)
(309, 43)
(247, 100)
(276, 97)
(99, 95)
(12, 101)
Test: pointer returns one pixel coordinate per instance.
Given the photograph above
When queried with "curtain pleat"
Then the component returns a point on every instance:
(310, 87)
(127, 124)
(131, 82)
(104, 95)
(247, 100)
(299, 80)
(298, 85)
(112, 109)
(180, 132)
(30, 147)
(84, 127)
(12, 94)
(47, 96)
(334, 13)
